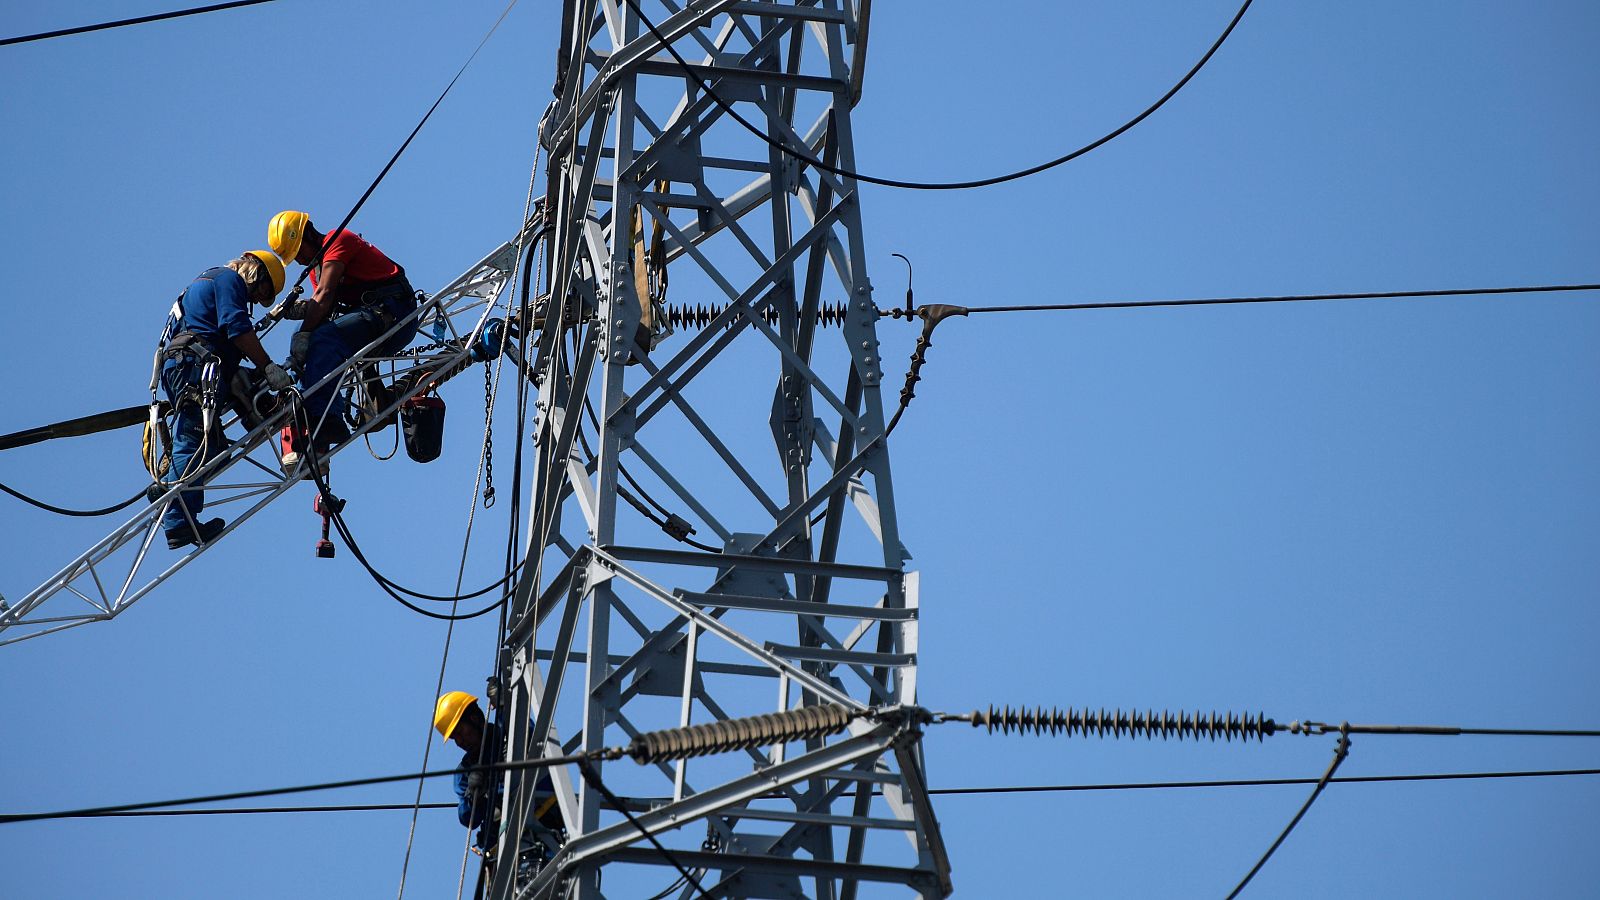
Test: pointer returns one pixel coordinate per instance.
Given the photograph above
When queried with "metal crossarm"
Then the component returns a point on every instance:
(802, 596)
(118, 570)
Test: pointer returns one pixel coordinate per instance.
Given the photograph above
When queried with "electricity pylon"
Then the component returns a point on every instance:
(613, 629)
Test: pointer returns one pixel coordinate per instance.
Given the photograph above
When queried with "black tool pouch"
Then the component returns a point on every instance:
(422, 423)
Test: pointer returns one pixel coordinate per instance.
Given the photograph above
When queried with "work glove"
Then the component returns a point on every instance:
(475, 781)
(296, 309)
(277, 378)
(299, 346)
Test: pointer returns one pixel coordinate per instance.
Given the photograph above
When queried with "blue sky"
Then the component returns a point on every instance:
(1374, 511)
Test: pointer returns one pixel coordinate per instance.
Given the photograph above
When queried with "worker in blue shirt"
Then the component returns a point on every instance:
(478, 791)
(208, 332)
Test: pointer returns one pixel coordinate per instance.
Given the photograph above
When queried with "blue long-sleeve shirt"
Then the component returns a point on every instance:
(474, 810)
(216, 307)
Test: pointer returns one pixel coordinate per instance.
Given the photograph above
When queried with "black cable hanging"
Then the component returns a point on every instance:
(63, 511)
(1341, 751)
(811, 160)
(119, 23)
(265, 323)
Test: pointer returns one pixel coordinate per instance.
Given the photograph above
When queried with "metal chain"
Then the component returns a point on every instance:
(488, 437)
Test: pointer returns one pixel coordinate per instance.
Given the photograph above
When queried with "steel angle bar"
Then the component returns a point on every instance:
(715, 626)
(798, 607)
(839, 754)
(141, 525)
(623, 60)
(689, 499)
(671, 394)
(730, 315)
(777, 564)
(780, 865)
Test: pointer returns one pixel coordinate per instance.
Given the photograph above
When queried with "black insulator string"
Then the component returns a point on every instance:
(810, 160)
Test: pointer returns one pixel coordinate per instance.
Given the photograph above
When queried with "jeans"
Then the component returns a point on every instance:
(336, 340)
(191, 448)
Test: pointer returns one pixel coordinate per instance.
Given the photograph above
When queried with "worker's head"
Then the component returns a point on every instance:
(291, 236)
(457, 718)
(262, 273)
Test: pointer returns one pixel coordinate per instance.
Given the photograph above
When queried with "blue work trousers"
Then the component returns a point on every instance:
(336, 340)
(191, 447)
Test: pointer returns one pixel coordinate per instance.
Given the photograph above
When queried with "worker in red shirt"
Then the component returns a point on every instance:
(360, 296)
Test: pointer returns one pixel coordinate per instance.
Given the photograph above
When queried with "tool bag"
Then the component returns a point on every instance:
(422, 423)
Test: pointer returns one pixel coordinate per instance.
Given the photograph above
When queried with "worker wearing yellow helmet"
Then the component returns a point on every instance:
(458, 718)
(361, 296)
(209, 331)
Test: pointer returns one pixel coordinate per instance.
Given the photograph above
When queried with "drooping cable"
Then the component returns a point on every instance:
(593, 777)
(138, 20)
(265, 324)
(1341, 751)
(811, 160)
(461, 573)
(336, 516)
(63, 511)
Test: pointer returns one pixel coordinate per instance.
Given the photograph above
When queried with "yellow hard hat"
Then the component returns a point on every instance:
(449, 710)
(274, 268)
(285, 231)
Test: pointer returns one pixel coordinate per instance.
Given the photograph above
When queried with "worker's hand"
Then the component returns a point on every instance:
(475, 781)
(296, 309)
(299, 347)
(277, 378)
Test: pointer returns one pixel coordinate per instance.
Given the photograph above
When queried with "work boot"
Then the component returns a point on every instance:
(331, 433)
(184, 535)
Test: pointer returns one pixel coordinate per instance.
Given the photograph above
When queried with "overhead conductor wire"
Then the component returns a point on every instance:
(1341, 751)
(146, 810)
(811, 160)
(466, 544)
(1284, 298)
(119, 23)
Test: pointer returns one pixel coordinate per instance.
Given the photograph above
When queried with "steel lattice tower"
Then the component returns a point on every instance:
(609, 637)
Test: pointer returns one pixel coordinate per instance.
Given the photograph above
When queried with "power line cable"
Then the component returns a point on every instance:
(336, 516)
(1285, 298)
(271, 318)
(140, 20)
(1341, 752)
(540, 763)
(593, 777)
(955, 791)
(1260, 782)
(811, 160)
(63, 511)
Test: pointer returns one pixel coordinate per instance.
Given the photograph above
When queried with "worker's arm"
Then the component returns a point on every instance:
(321, 303)
(250, 346)
(233, 317)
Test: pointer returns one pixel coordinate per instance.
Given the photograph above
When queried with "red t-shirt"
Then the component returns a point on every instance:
(363, 263)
